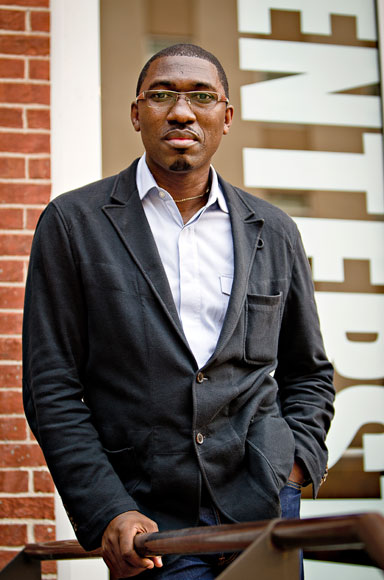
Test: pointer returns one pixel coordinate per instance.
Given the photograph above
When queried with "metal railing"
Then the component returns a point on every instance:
(269, 547)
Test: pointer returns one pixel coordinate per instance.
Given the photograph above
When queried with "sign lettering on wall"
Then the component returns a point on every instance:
(324, 85)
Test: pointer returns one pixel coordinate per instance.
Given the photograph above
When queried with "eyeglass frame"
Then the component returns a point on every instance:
(221, 98)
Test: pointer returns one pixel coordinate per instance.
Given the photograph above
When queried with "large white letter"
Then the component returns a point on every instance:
(309, 97)
(341, 313)
(254, 15)
(354, 407)
(289, 169)
(329, 242)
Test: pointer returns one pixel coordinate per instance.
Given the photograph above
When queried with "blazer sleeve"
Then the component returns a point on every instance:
(304, 374)
(54, 360)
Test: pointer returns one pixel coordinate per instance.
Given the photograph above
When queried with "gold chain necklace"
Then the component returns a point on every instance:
(194, 197)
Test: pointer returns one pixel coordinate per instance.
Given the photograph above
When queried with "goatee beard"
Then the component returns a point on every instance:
(180, 165)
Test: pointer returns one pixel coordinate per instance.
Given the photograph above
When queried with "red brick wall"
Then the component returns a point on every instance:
(26, 490)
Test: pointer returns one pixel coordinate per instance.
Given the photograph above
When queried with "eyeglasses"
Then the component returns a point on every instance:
(195, 99)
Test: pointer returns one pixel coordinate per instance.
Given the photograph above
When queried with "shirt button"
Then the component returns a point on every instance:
(162, 194)
(200, 377)
(200, 438)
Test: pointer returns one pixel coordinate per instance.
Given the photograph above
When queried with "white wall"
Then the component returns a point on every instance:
(76, 155)
(75, 94)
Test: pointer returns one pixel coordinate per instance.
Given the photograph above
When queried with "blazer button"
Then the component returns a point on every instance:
(200, 377)
(200, 438)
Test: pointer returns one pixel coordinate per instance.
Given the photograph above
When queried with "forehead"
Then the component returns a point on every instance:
(182, 73)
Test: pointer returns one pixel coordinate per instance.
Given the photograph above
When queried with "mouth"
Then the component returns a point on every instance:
(181, 139)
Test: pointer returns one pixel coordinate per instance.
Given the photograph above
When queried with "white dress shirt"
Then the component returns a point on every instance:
(197, 258)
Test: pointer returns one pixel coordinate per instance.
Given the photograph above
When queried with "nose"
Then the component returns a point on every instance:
(181, 111)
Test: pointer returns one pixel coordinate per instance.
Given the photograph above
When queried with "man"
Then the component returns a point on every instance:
(174, 372)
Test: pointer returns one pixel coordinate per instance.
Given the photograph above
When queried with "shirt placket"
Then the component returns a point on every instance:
(190, 295)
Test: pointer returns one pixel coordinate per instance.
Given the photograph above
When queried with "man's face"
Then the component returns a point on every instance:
(181, 139)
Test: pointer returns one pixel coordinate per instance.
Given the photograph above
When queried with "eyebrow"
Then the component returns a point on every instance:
(157, 83)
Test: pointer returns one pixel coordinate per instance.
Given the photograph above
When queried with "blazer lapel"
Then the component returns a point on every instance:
(246, 230)
(128, 218)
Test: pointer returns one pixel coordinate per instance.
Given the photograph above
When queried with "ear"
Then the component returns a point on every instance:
(228, 119)
(135, 116)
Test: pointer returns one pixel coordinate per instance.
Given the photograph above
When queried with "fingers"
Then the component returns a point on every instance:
(157, 561)
(118, 545)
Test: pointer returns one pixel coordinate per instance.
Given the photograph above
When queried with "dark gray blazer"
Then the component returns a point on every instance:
(113, 393)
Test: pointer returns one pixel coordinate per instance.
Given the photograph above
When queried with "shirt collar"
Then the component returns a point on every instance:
(145, 183)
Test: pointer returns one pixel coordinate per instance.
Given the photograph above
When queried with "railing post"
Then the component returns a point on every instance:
(21, 568)
(262, 560)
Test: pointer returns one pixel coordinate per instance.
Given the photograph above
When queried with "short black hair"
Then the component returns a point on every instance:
(185, 50)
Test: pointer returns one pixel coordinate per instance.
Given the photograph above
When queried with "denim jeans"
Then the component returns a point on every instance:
(208, 567)
(290, 497)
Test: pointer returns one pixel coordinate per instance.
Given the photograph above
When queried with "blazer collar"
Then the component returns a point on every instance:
(128, 218)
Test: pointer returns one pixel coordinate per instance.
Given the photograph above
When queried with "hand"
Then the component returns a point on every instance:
(118, 548)
(297, 474)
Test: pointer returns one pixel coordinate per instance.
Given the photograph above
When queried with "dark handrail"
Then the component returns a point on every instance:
(355, 539)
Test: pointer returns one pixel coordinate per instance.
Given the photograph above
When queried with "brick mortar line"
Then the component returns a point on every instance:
(25, 181)
(24, 57)
(28, 495)
(33, 106)
(28, 521)
(19, 206)
(10, 362)
(23, 80)
(27, 20)
(22, 205)
(27, 157)
(9, 258)
(24, 118)
(39, 468)
(11, 310)
(34, 443)
(23, 8)
(25, 131)
(34, 33)
(17, 441)
(12, 285)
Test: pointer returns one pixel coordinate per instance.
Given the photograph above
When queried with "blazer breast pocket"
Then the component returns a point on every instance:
(262, 325)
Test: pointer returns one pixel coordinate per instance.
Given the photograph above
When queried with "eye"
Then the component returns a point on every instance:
(203, 98)
(160, 96)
